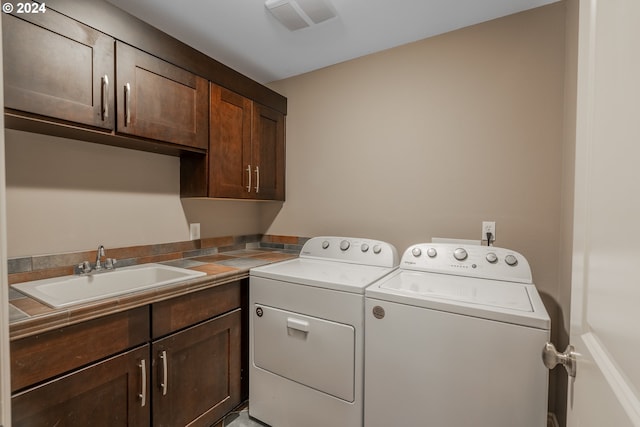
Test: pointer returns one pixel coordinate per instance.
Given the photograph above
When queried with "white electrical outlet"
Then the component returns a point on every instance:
(488, 227)
(194, 231)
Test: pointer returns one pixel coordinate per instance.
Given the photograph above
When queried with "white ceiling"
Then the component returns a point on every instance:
(243, 35)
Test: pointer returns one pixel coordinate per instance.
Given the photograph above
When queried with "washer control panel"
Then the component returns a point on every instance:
(488, 262)
(352, 250)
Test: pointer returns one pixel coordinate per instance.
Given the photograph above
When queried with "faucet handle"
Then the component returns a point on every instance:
(83, 268)
(110, 263)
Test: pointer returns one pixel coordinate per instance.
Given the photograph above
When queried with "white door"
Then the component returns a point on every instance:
(5, 402)
(605, 306)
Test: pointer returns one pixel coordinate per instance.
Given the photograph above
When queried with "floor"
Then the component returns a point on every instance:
(240, 419)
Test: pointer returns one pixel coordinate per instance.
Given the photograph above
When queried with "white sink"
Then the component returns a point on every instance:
(69, 290)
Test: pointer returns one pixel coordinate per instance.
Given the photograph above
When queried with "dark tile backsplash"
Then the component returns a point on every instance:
(29, 268)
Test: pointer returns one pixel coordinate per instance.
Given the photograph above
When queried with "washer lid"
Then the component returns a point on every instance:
(517, 303)
(324, 274)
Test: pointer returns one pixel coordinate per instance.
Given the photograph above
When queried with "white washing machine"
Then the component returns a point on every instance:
(454, 338)
(306, 332)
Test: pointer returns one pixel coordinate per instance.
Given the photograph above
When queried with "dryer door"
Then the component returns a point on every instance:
(311, 351)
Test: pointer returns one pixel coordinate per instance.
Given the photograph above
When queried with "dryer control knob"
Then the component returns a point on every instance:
(460, 254)
(432, 252)
(492, 258)
(416, 252)
(511, 260)
(325, 244)
(364, 247)
(377, 249)
(344, 245)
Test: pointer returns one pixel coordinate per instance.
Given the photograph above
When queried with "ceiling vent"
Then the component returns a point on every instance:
(297, 14)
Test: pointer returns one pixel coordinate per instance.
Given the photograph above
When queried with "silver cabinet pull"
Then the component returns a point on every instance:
(127, 104)
(257, 179)
(249, 173)
(105, 97)
(143, 389)
(165, 379)
(551, 358)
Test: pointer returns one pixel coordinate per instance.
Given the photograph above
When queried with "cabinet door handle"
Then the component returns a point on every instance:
(165, 378)
(143, 388)
(127, 104)
(257, 179)
(249, 173)
(105, 97)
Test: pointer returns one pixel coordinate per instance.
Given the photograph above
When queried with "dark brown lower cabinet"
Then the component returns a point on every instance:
(185, 367)
(114, 392)
(196, 377)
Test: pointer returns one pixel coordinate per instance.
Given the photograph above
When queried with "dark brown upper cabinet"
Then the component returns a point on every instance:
(91, 72)
(160, 101)
(268, 152)
(59, 68)
(246, 148)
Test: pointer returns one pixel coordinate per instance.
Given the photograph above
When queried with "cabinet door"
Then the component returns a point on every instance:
(197, 373)
(111, 393)
(268, 153)
(56, 67)
(230, 168)
(160, 101)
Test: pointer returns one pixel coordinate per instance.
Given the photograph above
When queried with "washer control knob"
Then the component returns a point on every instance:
(325, 244)
(344, 245)
(416, 252)
(377, 249)
(492, 258)
(431, 252)
(460, 254)
(511, 260)
(364, 247)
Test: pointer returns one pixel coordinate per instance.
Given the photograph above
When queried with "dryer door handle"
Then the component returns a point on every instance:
(298, 324)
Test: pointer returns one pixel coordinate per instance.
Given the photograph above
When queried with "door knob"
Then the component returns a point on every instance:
(552, 358)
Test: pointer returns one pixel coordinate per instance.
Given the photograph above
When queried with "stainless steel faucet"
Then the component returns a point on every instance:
(98, 265)
(85, 267)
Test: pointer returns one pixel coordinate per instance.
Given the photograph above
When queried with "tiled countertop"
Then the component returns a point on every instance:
(29, 317)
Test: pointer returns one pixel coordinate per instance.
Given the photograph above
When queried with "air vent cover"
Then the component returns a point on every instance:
(297, 14)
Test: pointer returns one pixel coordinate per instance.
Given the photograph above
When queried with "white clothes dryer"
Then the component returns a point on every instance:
(306, 332)
(454, 338)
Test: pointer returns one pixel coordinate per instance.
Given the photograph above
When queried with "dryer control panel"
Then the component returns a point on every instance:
(488, 262)
(351, 250)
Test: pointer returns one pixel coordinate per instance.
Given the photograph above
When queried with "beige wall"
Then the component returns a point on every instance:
(425, 140)
(430, 139)
(66, 196)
